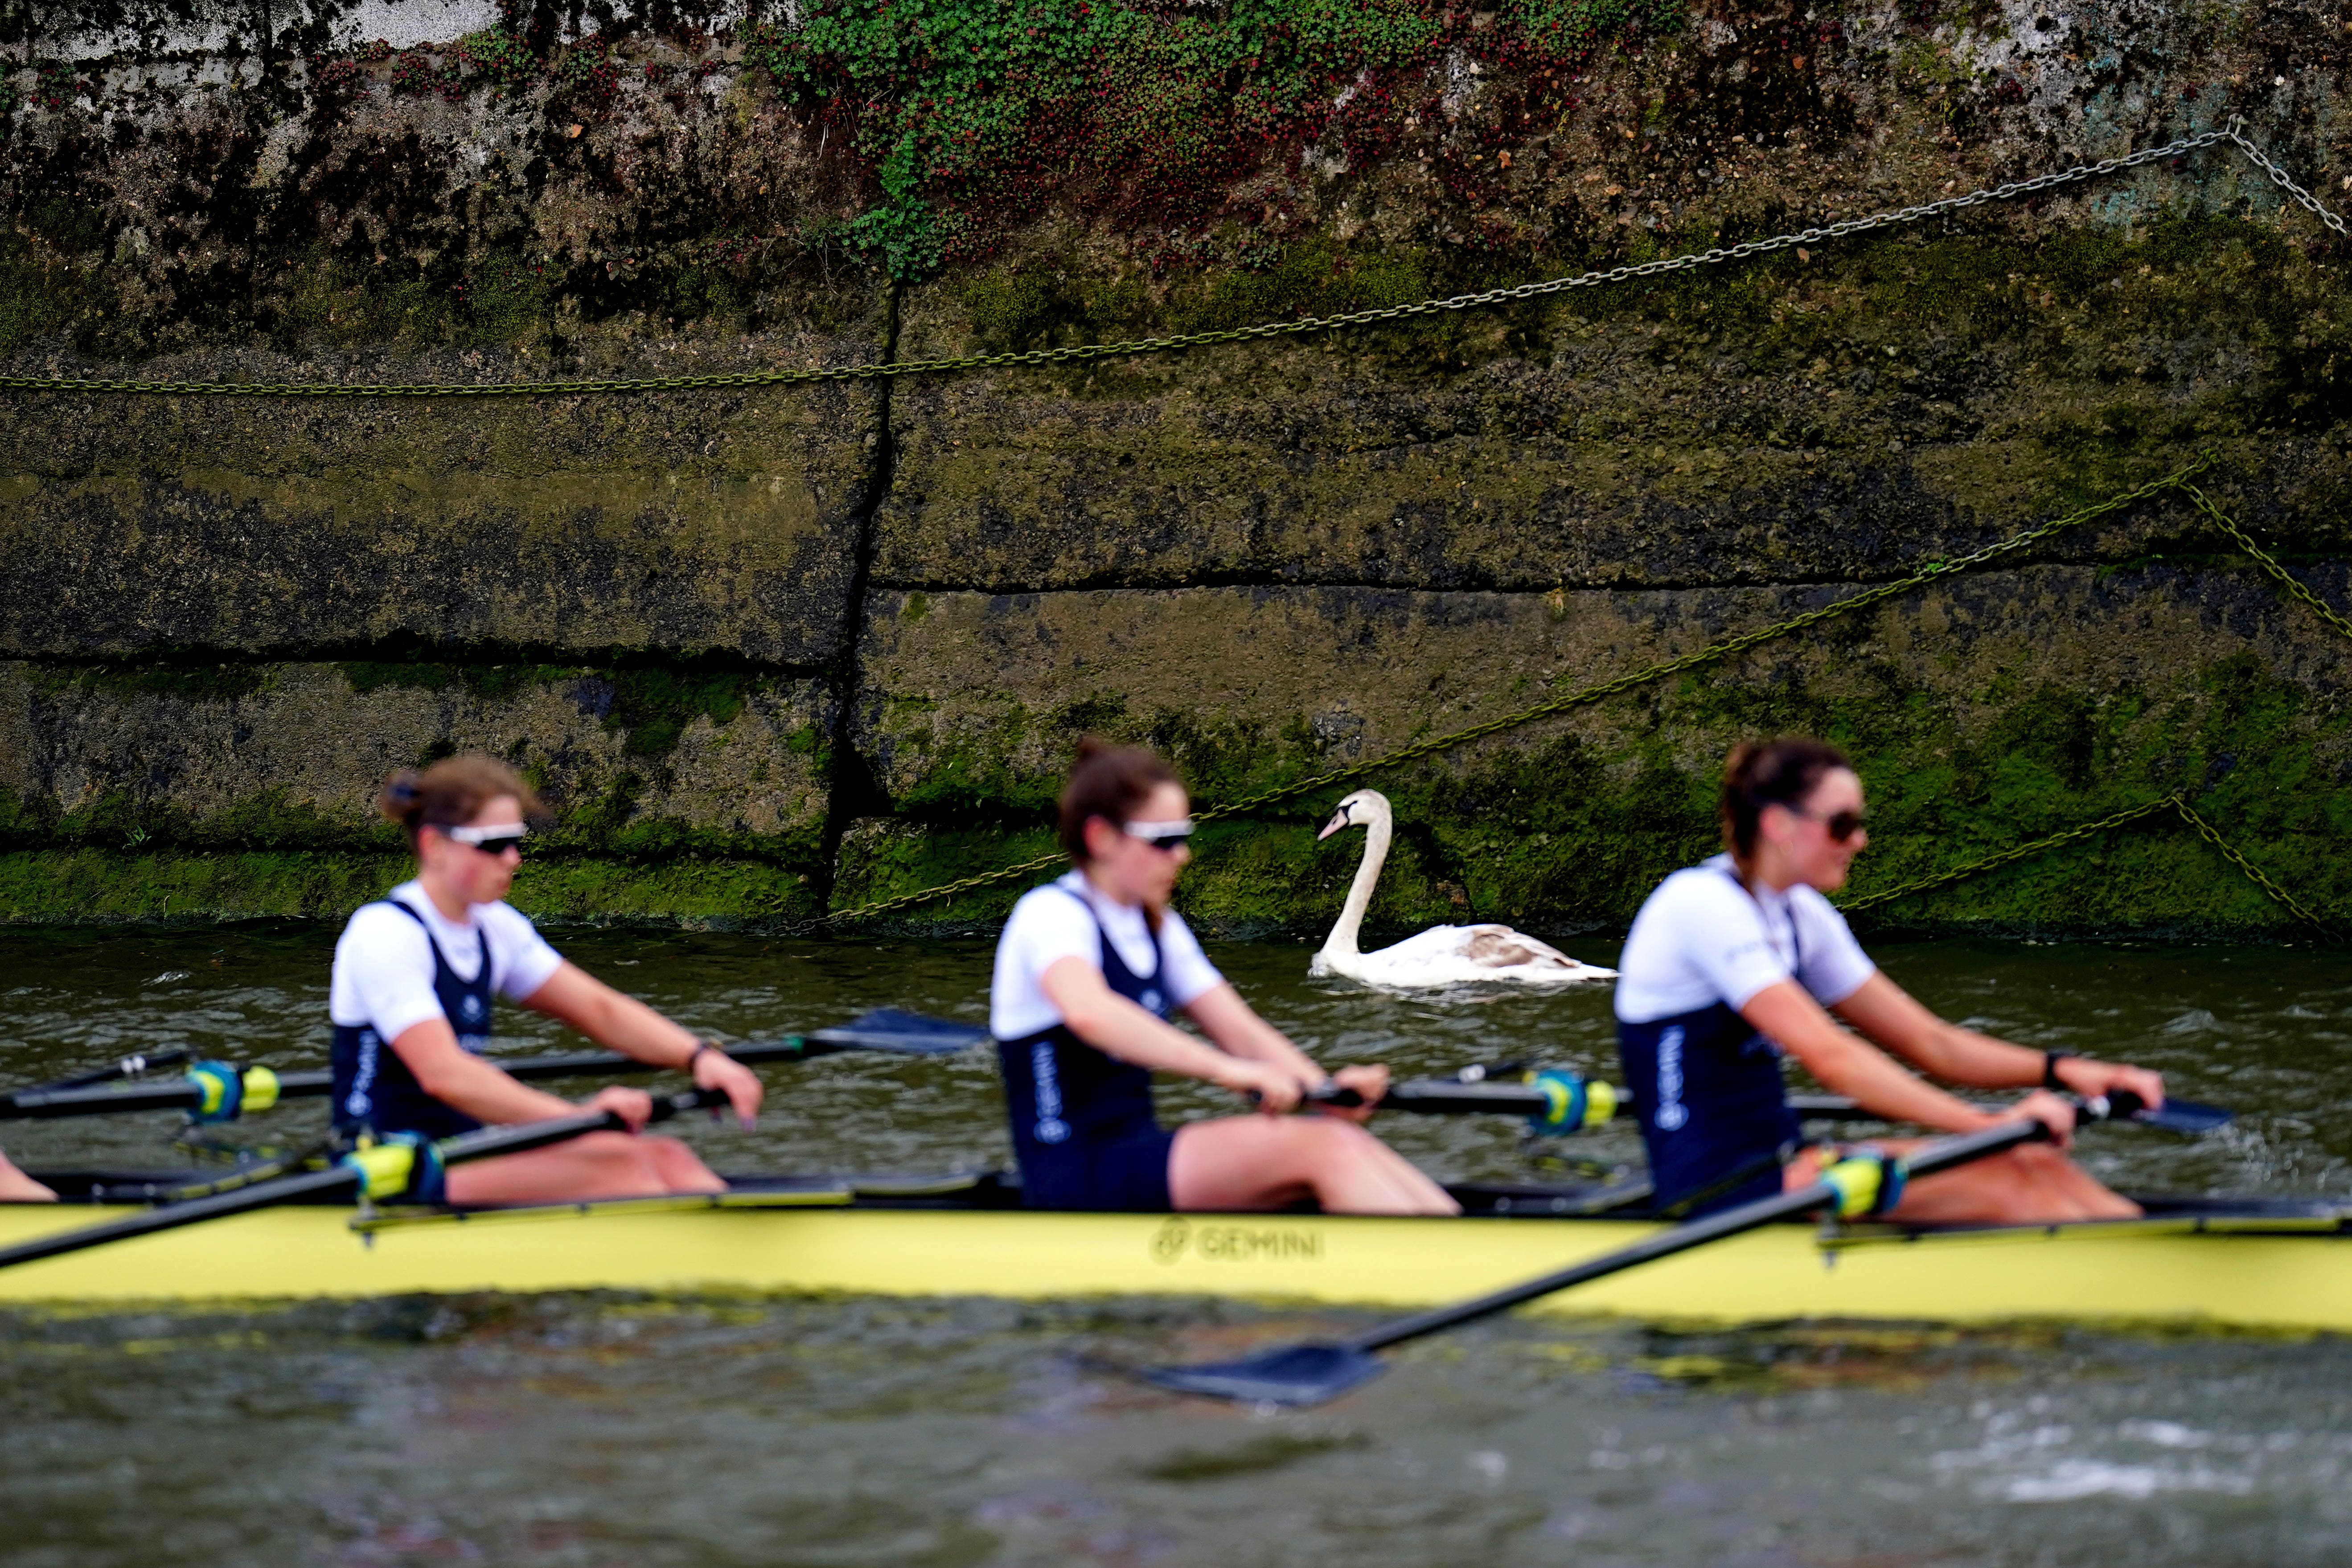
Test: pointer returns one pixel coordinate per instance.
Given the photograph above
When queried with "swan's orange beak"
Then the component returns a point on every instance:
(1339, 820)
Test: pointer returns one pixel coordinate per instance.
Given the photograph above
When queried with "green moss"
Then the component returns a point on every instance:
(41, 292)
(485, 682)
(67, 224)
(653, 706)
(189, 680)
(498, 297)
(650, 706)
(1312, 278)
(972, 110)
(96, 886)
(117, 818)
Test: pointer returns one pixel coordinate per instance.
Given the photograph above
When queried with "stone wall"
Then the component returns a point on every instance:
(775, 651)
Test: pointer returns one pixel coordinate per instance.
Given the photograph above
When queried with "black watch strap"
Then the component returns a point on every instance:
(2049, 1060)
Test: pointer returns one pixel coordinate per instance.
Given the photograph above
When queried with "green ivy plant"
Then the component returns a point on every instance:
(971, 110)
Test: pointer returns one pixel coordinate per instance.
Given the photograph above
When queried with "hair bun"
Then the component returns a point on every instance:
(1093, 746)
(401, 789)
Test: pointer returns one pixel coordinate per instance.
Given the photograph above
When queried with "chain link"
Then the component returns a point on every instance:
(944, 890)
(2279, 177)
(2263, 559)
(1083, 352)
(2007, 857)
(2205, 830)
(2173, 803)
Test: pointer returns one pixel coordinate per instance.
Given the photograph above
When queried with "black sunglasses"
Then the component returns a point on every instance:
(1841, 825)
(489, 841)
(1161, 835)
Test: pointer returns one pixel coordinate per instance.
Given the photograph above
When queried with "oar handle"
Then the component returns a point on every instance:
(1941, 1155)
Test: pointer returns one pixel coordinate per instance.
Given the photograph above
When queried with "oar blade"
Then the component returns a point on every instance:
(896, 1029)
(2185, 1116)
(1295, 1375)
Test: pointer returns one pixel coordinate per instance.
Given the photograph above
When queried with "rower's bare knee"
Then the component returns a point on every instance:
(679, 1168)
(625, 1167)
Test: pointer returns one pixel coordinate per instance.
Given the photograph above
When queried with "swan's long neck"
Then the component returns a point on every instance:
(1377, 833)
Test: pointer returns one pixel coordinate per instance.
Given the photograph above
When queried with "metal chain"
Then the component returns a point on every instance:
(1584, 695)
(2187, 813)
(944, 890)
(1717, 651)
(2006, 856)
(2279, 178)
(2180, 481)
(2263, 559)
(1086, 351)
(2205, 831)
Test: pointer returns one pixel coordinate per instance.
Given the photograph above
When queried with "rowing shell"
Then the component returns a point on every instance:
(2253, 1264)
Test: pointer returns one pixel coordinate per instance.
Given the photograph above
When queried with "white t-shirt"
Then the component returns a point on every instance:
(1048, 925)
(1702, 939)
(383, 967)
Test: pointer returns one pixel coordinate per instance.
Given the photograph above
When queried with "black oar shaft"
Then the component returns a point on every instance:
(284, 1190)
(884, 1031)
(1941, 1155)
(487, 1143)
(1446, 1097)
(137, 1065)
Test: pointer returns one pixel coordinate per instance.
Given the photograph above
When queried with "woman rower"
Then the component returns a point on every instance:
(414, 976)
(1733, 962)
(1088, 971)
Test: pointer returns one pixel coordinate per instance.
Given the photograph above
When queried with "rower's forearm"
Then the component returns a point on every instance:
(636, 1030)
(1118, 1027)
(1885, 1089)
(1981, 1061)
(474, 1086)
(1259, 1041)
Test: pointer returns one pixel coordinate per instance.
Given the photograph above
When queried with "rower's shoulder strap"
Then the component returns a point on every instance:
(1083, 902)
(481, 936)
(392, 903)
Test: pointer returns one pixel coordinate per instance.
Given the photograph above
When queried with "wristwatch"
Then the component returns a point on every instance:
(2049, 1060)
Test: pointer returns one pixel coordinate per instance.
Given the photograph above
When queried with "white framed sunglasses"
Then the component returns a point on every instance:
(490, 838)
(1161, 834)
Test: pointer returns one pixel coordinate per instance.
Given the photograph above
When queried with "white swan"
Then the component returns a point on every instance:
(1441, 955)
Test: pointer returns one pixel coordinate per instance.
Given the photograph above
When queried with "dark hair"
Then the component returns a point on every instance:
(1109, 782)
(1772, 773)
(451, 793)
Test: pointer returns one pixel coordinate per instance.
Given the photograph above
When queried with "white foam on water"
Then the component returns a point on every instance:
(2071, 1481)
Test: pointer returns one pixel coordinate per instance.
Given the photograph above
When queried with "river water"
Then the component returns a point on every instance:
(618, 1430)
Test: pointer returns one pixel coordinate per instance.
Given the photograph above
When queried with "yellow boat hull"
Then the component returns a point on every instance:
(2263, 1274)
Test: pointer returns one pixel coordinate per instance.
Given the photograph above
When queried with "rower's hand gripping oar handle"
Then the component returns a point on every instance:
(1555, 1100)
(382, 1170)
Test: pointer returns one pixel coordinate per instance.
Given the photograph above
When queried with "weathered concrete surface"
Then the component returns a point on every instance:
(776, 650)
(692, 523)
(1985, 709)
(284, 758)
(1644, 448)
